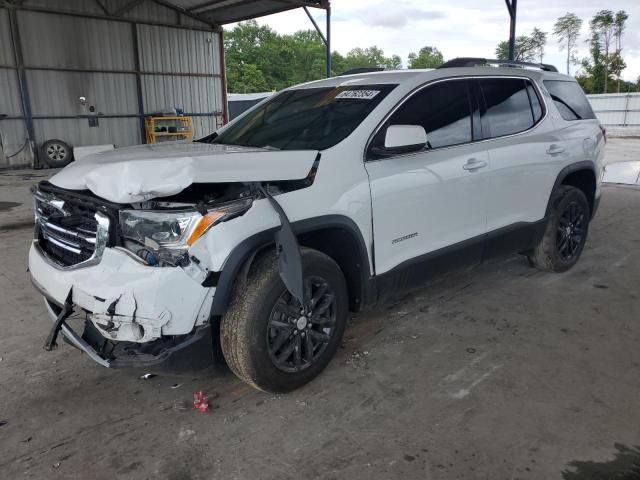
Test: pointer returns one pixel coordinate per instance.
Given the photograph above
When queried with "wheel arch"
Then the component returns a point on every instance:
(334, 235)
(581, 175)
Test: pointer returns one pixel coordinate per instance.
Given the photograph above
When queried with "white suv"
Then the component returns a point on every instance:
(323, 199)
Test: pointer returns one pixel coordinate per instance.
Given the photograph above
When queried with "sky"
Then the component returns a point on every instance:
(462, 28)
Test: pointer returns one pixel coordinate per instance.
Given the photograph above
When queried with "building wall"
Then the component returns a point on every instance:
(125, 68)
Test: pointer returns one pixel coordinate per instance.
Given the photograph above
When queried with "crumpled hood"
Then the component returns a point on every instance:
(135, 174)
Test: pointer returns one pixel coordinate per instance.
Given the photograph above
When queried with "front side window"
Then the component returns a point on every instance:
(305, 119)
(569, 99)
(511, 105)
(443, 110)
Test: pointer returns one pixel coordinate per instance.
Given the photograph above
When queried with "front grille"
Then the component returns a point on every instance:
(69, 240)
(72, 229)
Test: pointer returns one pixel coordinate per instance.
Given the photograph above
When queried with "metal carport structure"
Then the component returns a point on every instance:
(129, 58)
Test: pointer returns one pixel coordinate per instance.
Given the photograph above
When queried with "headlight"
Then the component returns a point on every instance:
(160, 236)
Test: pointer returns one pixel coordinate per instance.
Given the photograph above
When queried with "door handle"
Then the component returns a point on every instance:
(555, 149)
(474, 164)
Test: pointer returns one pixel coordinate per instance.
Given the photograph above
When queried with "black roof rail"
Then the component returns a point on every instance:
(353, 71)
(475, 62)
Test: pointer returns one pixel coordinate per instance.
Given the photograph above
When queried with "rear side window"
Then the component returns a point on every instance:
(569, 99)
(444, 111)
(511, 105)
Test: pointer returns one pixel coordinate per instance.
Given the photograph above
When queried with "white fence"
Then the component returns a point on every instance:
(617, 109)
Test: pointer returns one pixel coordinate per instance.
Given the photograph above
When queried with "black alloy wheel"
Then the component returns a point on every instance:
(571, 230)
(565, 233)
(268, 339)
(297, 337)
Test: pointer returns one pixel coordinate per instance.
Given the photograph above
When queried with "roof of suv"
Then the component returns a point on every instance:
(402, 76)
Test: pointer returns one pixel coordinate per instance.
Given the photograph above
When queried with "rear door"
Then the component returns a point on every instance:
(435, 198)
(523, 162)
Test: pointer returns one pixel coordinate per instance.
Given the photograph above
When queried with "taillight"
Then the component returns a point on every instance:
(604, 133)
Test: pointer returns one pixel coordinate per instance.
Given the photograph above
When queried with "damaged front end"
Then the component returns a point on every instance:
(129, 270)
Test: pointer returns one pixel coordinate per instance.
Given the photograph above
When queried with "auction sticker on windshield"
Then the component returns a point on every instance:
(358, 94)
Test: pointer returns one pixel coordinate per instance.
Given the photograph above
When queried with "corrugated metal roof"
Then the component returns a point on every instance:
(221, 12)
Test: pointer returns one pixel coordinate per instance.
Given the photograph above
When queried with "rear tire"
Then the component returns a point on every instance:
(565, 233)
(265, 339)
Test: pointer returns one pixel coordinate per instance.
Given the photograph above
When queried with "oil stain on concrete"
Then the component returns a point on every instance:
(624, 466)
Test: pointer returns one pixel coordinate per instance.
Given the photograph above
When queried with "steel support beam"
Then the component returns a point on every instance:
(512, 6)
(326, 39)
(96, 70)
(328, 60)
(25, 98)
(103, 7)
(125, 8)
(136, 62)
(225, 100)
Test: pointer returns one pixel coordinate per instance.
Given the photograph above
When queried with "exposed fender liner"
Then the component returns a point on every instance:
(574, 167)
(246, 250)
(289, 257)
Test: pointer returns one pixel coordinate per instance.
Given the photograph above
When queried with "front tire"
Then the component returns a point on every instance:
(565, 233)
(266, 340)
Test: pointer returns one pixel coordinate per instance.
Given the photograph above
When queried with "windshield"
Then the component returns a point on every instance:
(306, 119)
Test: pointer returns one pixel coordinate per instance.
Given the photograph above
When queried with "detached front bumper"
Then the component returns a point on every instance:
(136, 314)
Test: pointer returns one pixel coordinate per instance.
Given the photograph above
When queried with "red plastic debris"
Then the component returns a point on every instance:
(200, 402)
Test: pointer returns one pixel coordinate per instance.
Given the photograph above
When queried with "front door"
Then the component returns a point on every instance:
(432, 201)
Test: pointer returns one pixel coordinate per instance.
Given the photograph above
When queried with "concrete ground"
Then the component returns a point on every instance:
(500, 373)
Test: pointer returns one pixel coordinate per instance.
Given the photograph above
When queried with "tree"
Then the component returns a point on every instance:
(619, 26)
(603, 28)
(567, 30)
(538, 42)
(260, 59)
(591, 78)
(528, 47)
(246, 78)
(370, 57)
(427, 57)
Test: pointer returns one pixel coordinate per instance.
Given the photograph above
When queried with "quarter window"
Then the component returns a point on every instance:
(444, 111)
(511, 106)
(569, 99)
(536, 107)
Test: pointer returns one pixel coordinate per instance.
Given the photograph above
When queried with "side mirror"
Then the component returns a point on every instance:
(405, 138)
(401, 139)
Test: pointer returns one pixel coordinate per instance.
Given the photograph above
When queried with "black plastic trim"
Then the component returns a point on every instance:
(515, 238)
(596, 204)
(414, 272)
(574, 167)
(248, 247)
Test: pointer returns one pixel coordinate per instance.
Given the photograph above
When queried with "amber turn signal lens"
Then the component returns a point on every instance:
(203, 225)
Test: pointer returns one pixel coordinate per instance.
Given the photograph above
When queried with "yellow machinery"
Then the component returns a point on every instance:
(162, 129)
